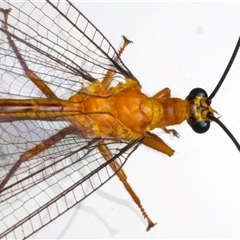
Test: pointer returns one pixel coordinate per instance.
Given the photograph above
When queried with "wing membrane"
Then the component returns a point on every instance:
(66, 59)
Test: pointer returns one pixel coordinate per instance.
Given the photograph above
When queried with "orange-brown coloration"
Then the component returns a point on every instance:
(125, 112)
(120, 113)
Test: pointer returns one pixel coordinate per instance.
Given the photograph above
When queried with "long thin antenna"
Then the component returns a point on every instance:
(209, 99)
(216, 120)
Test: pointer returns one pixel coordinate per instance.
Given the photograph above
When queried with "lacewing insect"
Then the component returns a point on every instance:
(52, 147)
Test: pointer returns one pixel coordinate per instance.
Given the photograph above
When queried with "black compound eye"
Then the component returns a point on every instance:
(198, 92)
(200, 126)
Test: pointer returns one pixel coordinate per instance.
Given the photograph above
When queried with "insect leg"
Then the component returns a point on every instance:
(35, 151)
(125, 43)
(173, 131)
(123, 178)
(165, 93)
(153, 141)
(110, 73)
(29, 73)
(108, 155)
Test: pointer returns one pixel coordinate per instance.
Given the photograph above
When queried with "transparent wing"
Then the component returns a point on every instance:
(50, 184)
(60, 45)
(66, 52)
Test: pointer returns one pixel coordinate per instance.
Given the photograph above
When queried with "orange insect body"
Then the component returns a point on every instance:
(122, 111)
(91, 116)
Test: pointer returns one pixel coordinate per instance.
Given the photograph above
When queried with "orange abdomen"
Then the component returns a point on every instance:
(122, 111)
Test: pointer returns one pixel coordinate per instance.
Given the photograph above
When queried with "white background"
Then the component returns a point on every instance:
(196, 192)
